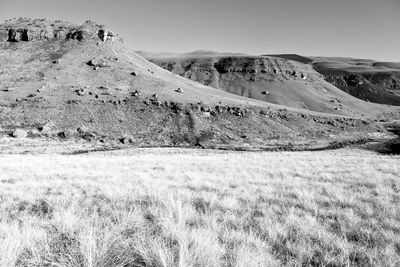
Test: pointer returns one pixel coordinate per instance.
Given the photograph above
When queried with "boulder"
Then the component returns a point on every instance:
(99, 62)
(20, 134)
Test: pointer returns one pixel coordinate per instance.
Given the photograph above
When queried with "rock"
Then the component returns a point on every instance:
(206, 114)
(126, 140)
(106, 35)
(20, 134)
(134, 73)
(46, 127)
(80, 92)
(82, 130)
(7, 89)
(61, 34)
(136, 93)
(64, 135)
(77, 35)
(99, 62)
(179, 90)
(265, 93)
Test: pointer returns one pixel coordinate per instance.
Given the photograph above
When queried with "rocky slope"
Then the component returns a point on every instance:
(369, 80)
(85, 83)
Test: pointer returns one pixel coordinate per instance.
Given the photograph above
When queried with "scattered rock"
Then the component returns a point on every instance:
(20, 134)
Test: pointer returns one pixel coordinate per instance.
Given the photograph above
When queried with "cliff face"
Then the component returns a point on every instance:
(27, 30)
(214, 71)
(380, 86)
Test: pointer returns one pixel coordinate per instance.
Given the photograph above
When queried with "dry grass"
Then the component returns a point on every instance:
(170, 207)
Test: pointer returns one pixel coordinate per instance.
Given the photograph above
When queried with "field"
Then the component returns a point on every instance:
(184, 207)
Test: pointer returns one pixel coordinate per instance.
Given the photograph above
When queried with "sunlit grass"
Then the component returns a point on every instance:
(170, 207)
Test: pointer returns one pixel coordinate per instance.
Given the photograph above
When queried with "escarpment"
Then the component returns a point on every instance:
(27, 30)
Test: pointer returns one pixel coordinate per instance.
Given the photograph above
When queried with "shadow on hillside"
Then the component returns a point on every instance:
(391, 147)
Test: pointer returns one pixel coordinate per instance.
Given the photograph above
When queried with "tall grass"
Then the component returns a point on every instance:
(167, 207)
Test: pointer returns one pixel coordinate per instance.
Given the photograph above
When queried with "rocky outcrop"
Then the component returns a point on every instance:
(26, 35)
(34, 30)
(78, 35)
(106, 35)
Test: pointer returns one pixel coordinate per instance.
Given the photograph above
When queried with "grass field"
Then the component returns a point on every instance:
(182, 207)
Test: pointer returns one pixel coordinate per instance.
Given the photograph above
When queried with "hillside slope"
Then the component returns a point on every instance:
(366, 79)
(270, 79)
(63, 80)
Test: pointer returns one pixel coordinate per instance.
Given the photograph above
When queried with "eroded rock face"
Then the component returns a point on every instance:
(26, 35)
(36, 30)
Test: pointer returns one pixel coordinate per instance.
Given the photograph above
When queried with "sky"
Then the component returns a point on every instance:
(346, 28)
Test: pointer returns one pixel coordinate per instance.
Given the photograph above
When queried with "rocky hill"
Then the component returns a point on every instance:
(366, 79)
(274, 80)
(61, 80)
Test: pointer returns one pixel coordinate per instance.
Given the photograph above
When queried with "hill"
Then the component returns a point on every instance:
(269, 79)
(63, 80)
(366, 79)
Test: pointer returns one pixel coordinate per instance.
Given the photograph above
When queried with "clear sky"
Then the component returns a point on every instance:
(355, 28)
